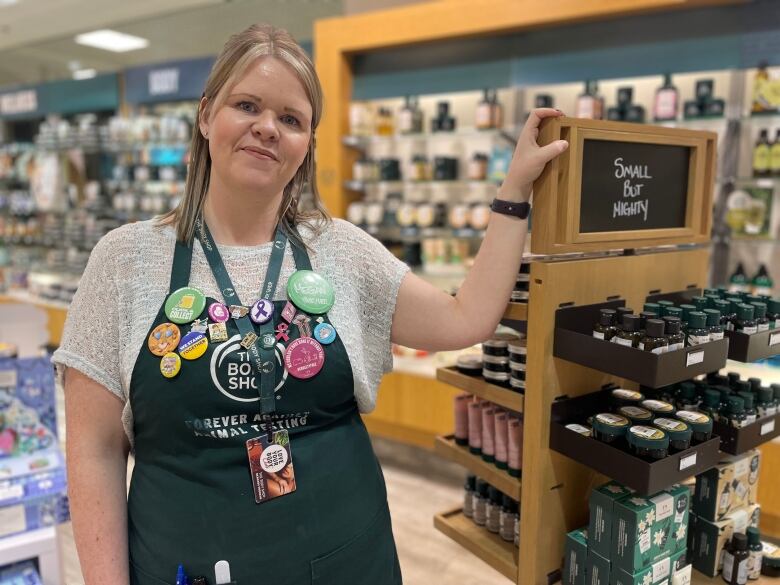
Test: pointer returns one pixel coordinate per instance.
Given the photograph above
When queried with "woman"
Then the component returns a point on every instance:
(203, 341)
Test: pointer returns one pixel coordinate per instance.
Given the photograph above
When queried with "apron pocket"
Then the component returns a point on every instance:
(370, 557)
(140, 577)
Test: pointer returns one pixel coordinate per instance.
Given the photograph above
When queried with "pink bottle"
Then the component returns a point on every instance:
(515, 446)
(475, 427)
(461, 403)
(502, 438)
(488, 432)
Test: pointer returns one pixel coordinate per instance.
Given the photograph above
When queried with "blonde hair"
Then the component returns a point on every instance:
(240, 51)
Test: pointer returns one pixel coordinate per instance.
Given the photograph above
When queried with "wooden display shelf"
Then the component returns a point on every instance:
(498, 478)
(516, 312)
(702, 579)
(473, 385)
(489, 547)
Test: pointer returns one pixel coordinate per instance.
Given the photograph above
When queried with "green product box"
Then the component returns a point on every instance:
(647, 530)
(602, 502)
(576, 558)
(731, 485)
(659, 573)
(709, 538)
(598, 569)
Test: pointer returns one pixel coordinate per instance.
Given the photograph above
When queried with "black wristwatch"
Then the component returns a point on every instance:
(520, 210)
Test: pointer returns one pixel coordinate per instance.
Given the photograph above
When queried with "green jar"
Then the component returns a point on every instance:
(699, 422)
(680, 434)
(609, 428)
(648, 442)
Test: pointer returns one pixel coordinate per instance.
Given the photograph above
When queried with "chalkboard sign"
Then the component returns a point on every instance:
(633, 186)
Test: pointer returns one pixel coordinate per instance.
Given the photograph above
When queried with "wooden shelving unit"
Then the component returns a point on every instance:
(516, 312)
(489, 547)
(499, 478)
(702, 579)
(485, 390)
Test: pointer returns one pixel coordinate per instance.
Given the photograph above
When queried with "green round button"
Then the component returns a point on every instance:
(310, 292)
(185, 305)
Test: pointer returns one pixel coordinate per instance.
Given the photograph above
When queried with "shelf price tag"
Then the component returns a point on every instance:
(774, 339)
(693, 358)
(767, 427)
(688, 461)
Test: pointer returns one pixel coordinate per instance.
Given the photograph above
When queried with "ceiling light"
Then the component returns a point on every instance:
(111, 40)
(84, 74)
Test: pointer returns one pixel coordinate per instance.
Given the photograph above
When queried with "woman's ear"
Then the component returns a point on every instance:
(203, 117)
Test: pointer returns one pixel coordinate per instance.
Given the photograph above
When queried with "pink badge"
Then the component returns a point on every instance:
(218, 313)
(304, 358)
(288, 312)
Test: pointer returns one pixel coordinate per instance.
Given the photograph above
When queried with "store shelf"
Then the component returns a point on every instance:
(363, 142)
(516, 312)
(753, 347)
(459, 183)
(477, 386)
(500, 555)
(737, 441)
(702, 579)
(498, 478)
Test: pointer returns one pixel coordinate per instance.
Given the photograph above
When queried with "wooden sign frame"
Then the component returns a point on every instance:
(557, 191)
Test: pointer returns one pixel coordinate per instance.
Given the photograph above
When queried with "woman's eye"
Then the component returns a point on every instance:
(292, 120)
(246, 106)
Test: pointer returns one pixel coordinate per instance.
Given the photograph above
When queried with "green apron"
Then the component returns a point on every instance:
(191, 500)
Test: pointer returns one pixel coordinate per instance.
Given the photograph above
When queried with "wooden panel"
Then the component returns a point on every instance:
(489, 547)
(498, 478)
(516, 311)
(558, 188)
(555, 488)
(768, 494)
(477, 386)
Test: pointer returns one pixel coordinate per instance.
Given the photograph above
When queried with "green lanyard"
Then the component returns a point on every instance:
(261, 357)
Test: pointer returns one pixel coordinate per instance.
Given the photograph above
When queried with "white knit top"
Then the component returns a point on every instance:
(127, 278)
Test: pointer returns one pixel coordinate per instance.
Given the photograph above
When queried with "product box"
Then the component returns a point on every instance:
(709, 538)
(34, 514)
(598, 569)
(20, 574)
(29, 487)
(602, 502)
(659, 573)
(647, 530)
(731, 485)
(576, 558)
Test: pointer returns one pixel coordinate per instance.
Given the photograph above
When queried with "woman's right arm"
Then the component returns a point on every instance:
(97, 450)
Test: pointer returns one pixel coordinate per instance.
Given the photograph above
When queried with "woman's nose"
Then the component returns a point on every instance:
(265, 126)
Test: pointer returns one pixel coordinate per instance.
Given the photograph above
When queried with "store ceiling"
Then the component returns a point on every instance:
(36, 36)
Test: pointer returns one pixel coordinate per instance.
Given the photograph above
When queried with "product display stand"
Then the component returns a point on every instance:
(39, 545)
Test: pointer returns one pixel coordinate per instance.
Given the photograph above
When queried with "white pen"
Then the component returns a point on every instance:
(222, 573)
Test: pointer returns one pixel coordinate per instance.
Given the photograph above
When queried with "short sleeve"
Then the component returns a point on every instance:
(91, 337)
(379, 274)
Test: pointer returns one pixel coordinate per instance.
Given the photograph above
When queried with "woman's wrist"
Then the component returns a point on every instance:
(515, 194)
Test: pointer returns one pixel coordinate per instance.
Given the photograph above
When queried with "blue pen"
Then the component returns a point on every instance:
(181, 576)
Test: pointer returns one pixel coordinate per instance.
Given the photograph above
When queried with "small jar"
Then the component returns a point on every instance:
(459, 216)
(581, 429)
(420, 168)
(468, 496)
(648, 442)
(518, 350)
(469, 364)
(364, 170)
(609, 428)
(445, 168)
(636, 414)
(495, 363)
(623, 397)
(406, 214)
(699, 422)
(517, 384)
(356, 212)
(517, 370)
(389, 169)
(498, 345)
(658, 407)
(477, 168)
(479, 216)
(497, 378)
(427, 215)
(680, 434)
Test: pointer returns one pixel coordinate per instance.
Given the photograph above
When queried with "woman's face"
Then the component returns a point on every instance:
(260, 135)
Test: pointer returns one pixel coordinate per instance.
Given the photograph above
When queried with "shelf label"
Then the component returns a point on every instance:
(693, 358)
(774, 339)
(767, 427)
(688, 461)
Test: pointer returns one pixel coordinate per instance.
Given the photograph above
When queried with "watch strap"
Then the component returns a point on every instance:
(514, 208)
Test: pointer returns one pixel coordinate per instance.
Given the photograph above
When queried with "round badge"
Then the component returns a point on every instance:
(310, 292)
(193, 345)
(304, 358)
(170, 364)
(262, 311)
(325, 333)
(218, 313)
(184, 305)
(163, 339)
(268, 340)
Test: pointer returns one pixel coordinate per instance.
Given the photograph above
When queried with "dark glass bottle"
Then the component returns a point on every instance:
(762, 323)
(623, 311)
(654, 339)
(735, 565)
(735, 412)
(674, 312)
(665, 305)
(711, 404)
(605, 329)
(652, 308)
(732, 313)
(697, 328)
(755, 385)
(644, 316)
(756, 550)
(700, 303)
(773, 313)
(468, 496)
(714, 325)
(673, 333)
(751, 415)
(480, 502)
(746, 322)
(686, 311)
(686, 398)
(629, 334)
(766, 402)
(723, 307)
(733, 379)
